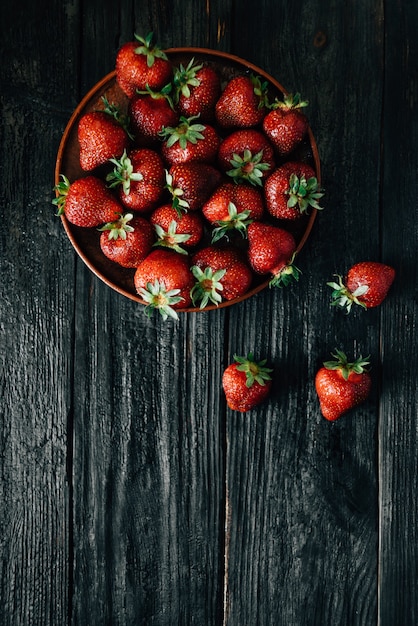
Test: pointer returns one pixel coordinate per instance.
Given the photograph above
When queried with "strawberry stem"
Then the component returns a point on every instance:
(254, 371)
(359, 366)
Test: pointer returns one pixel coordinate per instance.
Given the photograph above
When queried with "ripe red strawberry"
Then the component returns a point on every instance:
(192, 183)
(246, 383)
(86, 202)
(140, 179)
(127, 241)
(246, 155)
(290, 190)
(164, 280)
(341, 385)
(198, 88)
(102, 134)
(221, 274)
(174, 228)
(285, 125)
(141, 64)
(233, 207)
(367, 284)
(271, 250)
(149, 113)
(242, 103)
(189, 141)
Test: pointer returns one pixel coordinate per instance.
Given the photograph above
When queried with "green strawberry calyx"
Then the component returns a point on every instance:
(156, 297)
(343, 298)
(123, 173)
(286, 275)
(260, 90)
(303, 193)
(61, 191)
(149, 48)
(184, 78)
(359, 366)
(207, 286)
(115, 113)
(255, 372)
(290, 102)
(120, 228)
(248, 167)
(177, 202)
(170, 238)
(237, 221)
(184, 133)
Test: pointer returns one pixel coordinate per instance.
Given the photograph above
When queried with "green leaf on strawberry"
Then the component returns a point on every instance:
(254, 371)
(341, 363)
(118, 229)
(170, 238)
(248, 167)
(303, 193)
(207, 286)
(236, 221)
(158, 298)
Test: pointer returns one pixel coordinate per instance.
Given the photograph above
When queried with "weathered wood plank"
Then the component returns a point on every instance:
(302, 493)
(398, 477)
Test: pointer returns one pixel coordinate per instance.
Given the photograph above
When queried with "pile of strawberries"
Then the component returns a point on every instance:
(196, 184)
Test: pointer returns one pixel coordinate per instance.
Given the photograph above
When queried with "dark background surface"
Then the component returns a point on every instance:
(129, 493)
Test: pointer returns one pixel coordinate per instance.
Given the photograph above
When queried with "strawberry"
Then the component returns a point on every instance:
(219, 269)
(246, 383)
(290, 190)
(139, 177)
(86, 202)
(141, 64)
(192, 183)
(150, 112)
(127, 241)
(341, 385)
(285, 125)
(102, 134)
(198, 88)
(174, 228)
(367, 284)
(164, 280)
(271, 250)
(242, 103)
(233, 207)
(246, 155)
(189, 141)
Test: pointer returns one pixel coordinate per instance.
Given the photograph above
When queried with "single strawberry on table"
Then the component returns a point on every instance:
(139, 177)
(86, 202)
(127, 241)
(367, 284)
(220, 273)
(197, 89)
(246, 383)
(271, 250)
(141, 64)
(285, 124)
(246, 155)
(291, 190)
(102, 134)
(189, 141)
(163, 281)
(242, 103)
(341, 385)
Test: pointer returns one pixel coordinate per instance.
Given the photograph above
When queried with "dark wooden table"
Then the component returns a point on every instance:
(130, 494)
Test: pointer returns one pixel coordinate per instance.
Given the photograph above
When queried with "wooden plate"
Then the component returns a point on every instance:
(86, 240)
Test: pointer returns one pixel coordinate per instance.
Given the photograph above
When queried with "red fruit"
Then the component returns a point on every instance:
(198, 89)
(189, 142)
(149, 113)
(140, 179)
(86, 202)
(247, 205)
(246, 383)
(341, 385)
(367, 284)
(174, 228)
(164, 281)
(233, 281)
(242, 104)
(127, 241)
(286, 125)
(191, 184)
(101, 135)
(246, 155)
(290, 190)
(141, 64)
(271, 250)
